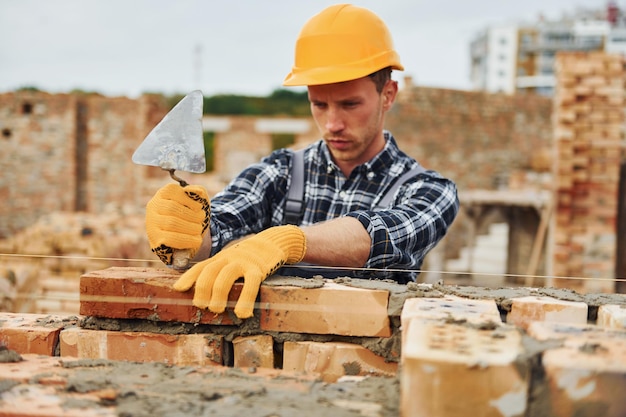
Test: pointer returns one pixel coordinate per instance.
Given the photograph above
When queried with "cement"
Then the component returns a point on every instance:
(156, 389)
(7, 355)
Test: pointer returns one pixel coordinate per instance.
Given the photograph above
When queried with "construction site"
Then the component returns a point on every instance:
(519, 311)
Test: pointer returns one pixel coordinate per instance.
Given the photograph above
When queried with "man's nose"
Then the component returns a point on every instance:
(334, 122)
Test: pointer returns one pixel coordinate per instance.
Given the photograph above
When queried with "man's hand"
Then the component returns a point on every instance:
(177, 218)
(252, 259)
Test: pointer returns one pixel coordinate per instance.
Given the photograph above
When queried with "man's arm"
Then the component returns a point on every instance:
(338, 242)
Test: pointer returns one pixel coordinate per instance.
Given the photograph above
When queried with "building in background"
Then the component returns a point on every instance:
(520, 57)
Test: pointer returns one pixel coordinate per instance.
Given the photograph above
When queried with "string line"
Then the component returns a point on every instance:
(334, 268)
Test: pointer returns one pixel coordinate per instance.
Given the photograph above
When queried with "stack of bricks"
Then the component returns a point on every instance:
(588, 121)
(439, 350)
(51, 254)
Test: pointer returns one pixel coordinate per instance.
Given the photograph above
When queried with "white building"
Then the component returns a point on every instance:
(517, 58)
(493, 59)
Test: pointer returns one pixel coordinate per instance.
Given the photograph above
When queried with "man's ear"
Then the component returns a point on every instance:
(389, 93)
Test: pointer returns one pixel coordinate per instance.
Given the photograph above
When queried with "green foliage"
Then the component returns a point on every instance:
(29, 88)
(80, 92)
(282, 140)
(209, 150)
(280, 102)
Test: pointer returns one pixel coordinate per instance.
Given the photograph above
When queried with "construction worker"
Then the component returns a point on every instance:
(345, 56)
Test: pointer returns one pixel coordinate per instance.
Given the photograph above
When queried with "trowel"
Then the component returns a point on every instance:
(176, 143)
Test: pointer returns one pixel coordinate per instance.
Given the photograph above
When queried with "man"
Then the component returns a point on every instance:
(344, 55)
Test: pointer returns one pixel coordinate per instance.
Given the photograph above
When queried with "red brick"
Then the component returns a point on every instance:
(30, 400)
(332, 360)
(144, 293)
(332, 309)
(44, 401)
(33, 364)
(32, 333)
(612, 316)
(450, 369)
(253, 351)
(589, 370)
(188, 349)
(451, 309)
(525, 310)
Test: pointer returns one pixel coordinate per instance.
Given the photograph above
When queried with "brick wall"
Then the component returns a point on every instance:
(515, 352)
(38, 141)
(477, 139)
(69, 152)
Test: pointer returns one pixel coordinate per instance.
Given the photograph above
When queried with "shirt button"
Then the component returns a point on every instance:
(343, 195)
(370, 175)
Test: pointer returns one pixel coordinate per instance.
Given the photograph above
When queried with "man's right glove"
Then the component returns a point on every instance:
(177, 218)
(253, 259)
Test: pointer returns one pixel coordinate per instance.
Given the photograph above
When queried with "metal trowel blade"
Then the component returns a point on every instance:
(176, 143)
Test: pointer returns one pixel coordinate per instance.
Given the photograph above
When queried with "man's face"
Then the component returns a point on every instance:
(350, 116)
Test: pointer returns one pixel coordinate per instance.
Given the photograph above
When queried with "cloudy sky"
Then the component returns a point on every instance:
(126, 47)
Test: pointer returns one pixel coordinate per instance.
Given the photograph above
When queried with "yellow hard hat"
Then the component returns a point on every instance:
(341, 43)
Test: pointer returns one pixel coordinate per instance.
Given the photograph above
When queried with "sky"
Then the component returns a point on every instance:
(128, 47)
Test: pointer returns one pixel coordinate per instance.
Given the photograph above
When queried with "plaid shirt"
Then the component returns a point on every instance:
(402, 234)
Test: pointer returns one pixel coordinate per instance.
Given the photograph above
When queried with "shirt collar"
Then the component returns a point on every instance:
(378, 164)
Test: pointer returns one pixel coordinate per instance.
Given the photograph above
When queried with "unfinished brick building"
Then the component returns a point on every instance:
(366, 348)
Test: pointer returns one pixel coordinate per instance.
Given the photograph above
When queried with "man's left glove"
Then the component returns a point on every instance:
(252, 259)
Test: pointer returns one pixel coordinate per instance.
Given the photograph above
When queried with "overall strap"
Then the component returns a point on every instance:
(387, 198)
(294, 206)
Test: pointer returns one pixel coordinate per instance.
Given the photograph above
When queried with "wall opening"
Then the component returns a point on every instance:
(81, 157)
(27, 108)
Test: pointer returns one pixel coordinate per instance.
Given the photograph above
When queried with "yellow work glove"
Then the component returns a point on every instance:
(252, 259)
(177, 218)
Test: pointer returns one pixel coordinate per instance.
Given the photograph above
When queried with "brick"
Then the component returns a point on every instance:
(30, 400)
(144, 293)
(590, 376)
(612, 316)
(188, 349)
(32, 333)
(333, 360)
(448, 369)
(253, 351)
(573, 335)
(31, 365)
(451, 309)
(525, 310)
(43, 401)
(332, 309)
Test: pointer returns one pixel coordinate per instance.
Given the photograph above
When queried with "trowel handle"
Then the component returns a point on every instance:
(181, 259)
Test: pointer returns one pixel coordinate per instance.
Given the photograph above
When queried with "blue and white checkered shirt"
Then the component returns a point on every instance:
(402, 234)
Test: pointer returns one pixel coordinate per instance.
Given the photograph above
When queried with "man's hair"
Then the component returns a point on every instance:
(380, 78)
